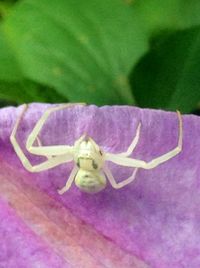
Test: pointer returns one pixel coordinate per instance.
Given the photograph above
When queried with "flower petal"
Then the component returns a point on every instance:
(154, 218)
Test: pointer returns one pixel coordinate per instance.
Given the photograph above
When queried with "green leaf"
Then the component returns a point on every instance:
(5, 7)
(159, 15)
(26, 91)
(84, 49)
(14, 88)
(168, 76)
(9, 69)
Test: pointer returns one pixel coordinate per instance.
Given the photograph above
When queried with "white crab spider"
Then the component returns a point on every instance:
(90, 170)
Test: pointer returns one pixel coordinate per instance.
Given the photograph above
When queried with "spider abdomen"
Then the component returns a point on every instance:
(90, 181)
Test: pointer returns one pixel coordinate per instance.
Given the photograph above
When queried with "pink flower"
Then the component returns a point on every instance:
(152, 222)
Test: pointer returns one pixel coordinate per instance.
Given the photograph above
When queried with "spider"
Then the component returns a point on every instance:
(90, 170)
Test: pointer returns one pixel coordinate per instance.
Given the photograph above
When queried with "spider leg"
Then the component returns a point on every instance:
(39, 143)
(133, 144)
(50, 163)
(48, 150)
(40, 167)
(119, 184)
(69, 181)
(129, 162)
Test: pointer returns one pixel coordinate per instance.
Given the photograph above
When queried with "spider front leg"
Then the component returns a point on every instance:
(50, 163)
(133, 143)
(130, 162)
(118, 185)
(39, 143)
(47, 150)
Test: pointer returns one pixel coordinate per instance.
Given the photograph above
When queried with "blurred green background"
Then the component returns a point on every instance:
(135, 52)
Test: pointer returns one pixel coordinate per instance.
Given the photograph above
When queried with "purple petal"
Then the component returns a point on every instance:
(20, 247)
(154, 219)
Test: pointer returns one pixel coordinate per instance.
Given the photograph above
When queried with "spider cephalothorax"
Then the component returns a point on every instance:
(89, 160)
(87, 154)
(90, 171)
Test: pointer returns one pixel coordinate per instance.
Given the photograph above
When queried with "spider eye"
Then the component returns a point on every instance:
(78, 163)
(94, 164)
